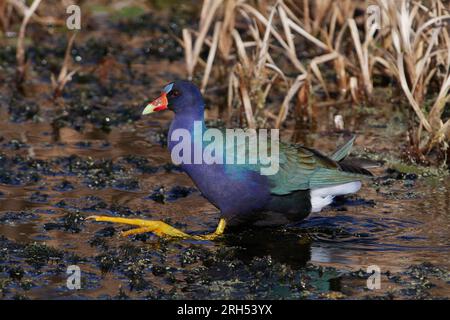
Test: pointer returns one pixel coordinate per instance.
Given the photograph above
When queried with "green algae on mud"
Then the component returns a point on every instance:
(90, 152)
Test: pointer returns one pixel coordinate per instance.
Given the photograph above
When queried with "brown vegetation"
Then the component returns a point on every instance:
(259, 54)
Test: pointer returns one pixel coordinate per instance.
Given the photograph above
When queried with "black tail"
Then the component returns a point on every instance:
(353, 166)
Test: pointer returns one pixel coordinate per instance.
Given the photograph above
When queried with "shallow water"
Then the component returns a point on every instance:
(392, 223)
(105, 159)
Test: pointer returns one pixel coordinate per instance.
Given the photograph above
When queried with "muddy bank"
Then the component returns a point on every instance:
(398, 222)
(89, 152)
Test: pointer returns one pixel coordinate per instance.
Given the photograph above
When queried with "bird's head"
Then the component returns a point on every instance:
(179, 96)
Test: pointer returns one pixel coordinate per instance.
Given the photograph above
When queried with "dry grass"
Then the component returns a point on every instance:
(311, 53)
(252, 71)
(13, 9)
(65, 75)
(20, 51)
(261, 57)
(5, 15)
(420, 54)
(21, 9)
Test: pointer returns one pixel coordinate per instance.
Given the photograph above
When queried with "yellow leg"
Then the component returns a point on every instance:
(160, 228)
(212, 236)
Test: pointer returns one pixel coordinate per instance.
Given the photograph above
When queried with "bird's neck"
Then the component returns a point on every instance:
(189, 122)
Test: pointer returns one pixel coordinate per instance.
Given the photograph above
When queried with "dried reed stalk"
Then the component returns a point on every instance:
(420, 49)
(193, 52)
(20, 51)
(64, 75)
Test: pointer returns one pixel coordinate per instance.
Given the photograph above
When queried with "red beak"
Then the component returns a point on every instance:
(157, 104)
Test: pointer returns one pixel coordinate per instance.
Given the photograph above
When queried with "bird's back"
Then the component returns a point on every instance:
(306, 181)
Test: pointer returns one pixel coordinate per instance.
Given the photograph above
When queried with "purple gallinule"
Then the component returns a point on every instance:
(305, 182)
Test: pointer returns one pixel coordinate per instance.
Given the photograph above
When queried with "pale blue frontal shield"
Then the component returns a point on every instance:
(168, 88)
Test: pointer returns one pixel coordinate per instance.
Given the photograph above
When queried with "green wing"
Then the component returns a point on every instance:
(343, 151)
(302, 168)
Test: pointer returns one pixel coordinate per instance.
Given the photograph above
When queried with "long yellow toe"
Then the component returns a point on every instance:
(159, 228)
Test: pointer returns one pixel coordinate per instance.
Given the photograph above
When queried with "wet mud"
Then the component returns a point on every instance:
(90, 152)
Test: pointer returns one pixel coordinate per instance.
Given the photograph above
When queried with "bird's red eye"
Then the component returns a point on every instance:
(174, 93)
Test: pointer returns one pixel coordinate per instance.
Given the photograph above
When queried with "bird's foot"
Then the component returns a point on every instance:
(159, 228)
(216, 234)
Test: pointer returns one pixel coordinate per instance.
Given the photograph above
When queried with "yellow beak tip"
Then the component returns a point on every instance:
(148, 109)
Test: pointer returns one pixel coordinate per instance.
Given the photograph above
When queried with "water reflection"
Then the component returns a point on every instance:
(282, 246)
(393, 225)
